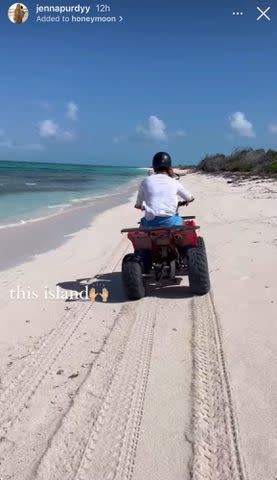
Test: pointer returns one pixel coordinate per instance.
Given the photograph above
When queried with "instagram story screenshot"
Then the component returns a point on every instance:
(138, 240)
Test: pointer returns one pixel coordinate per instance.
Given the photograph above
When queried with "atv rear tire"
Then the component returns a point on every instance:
(198, 271)
(132, 269)
(146, 258)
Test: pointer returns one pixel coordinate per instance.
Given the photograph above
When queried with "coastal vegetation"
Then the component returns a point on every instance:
(243, 161)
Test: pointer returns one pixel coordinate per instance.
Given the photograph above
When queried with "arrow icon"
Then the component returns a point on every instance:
(120, 18)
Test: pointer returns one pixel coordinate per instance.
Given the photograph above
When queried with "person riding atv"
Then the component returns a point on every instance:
(165, 243)
(158, 194)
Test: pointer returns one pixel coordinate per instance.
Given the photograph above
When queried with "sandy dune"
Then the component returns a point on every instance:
(171, 387)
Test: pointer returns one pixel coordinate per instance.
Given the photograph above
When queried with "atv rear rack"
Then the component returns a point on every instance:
(151, 229)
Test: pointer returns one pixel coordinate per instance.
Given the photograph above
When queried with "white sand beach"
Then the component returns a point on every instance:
(170, 387)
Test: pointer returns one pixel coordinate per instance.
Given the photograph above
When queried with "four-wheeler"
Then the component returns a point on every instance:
(167, 251)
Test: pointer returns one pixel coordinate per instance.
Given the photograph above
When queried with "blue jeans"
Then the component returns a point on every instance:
(162, 221)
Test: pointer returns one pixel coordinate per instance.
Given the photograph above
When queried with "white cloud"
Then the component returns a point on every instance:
(153, 130)
(49, 130)
(72, 111)
(273, 128)
(119, 138)
(6, 142)
(30, 146)
(241, 125)
(180, 133)
(66, 135)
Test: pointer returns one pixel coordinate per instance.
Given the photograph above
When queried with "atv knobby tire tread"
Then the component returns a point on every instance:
(133, 282)
(198, 270)
(201, 243)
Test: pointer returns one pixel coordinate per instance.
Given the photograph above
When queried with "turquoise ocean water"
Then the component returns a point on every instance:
(34, 190)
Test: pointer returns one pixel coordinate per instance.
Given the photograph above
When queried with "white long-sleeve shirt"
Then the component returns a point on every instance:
(158, 196)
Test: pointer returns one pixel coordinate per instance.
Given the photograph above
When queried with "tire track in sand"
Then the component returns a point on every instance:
(98, 437)
(20, 390)
(216, 449)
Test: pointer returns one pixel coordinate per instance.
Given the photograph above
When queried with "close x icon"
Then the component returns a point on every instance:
(263, 13)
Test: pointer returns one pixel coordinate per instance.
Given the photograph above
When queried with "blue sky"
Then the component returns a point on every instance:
(190, 79)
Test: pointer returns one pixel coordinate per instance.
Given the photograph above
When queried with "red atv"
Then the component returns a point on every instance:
(168, 251)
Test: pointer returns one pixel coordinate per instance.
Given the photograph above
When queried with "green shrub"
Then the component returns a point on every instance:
(248, 160)
(271, 167)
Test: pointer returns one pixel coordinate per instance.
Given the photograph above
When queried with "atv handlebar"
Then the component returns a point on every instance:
(176, 176)
(184, 203)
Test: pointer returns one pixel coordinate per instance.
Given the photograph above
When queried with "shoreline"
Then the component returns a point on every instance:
(44, 213)
(33, 191)
(22, 242)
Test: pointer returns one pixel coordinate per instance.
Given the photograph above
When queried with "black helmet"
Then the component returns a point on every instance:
(161, 160)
